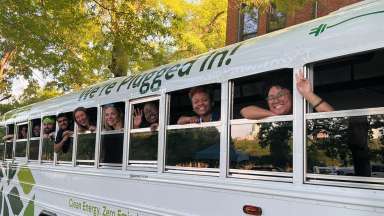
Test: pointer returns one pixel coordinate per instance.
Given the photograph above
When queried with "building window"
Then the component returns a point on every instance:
(249, 22)
(276, 19)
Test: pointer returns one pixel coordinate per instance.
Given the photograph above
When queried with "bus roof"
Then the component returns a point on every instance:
(355, 28)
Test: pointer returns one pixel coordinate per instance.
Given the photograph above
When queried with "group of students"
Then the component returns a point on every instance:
(279, 101)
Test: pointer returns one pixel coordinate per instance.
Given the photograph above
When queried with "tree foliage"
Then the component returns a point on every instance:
(80, 42)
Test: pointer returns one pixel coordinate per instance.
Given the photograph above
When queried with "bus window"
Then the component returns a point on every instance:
(34, 140)
(9, 141)
(143, 139)
(112, 134)
(193, 136)
(49, 127)
(260, 144)
(64, 138)
(348, 142)
(21, 140)
(3, 131)
(86, 120)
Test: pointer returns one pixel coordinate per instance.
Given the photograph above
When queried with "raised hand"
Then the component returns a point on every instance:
(303, 85)
(137, 118)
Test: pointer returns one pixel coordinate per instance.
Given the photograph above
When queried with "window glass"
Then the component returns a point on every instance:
(351, 142)
(49, 127)
(249, 22)
(193, 147)
(3, 132)
(21, 142)
(259, 143)
(144, 133)
(86, 119)
(193, 138)
(276, 20)
(112, 136)
(263, 147)
(9, 141)
(351, 146)
(64, 138)
(34, 141)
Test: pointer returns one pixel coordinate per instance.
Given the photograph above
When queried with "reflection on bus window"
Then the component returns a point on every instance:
(262, 147)
(64, 137)
(21, 141)
(86, 137)
(143, 146)
(112, 136)
(346, 146)
(49, 125)
(34, 141)
(9, 141)
(193, 147)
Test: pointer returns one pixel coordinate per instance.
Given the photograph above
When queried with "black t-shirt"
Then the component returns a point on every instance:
(59, 137)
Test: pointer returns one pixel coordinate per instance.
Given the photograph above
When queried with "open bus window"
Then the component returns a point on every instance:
(21, 141)
(9, 141)
(3, 131)
(143, 142)
(112, 135)
(195, 141)
(49, 126)
(349, 142)
(64, 138)
(262, 144)
(86, 119)
(34, 141)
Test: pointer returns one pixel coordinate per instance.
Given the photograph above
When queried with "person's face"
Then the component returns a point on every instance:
(23, 132)
(201, 103)
(48, 127)
(81, 118)
(36, 130)
(111, 116)
(280, 100)
(63, 123)
(151, 113)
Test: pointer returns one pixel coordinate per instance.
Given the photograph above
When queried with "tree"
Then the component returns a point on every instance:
(80, 42)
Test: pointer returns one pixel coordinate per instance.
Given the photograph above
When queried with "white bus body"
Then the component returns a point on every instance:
(33, 187)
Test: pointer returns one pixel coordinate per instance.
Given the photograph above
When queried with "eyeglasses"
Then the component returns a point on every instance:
(277, 96)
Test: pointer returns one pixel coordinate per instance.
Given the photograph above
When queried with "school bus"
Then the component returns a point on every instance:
(301, 163)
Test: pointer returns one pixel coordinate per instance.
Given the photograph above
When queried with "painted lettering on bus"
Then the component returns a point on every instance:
(152, 81)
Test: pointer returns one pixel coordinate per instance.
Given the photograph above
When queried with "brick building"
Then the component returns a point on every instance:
(241, 26)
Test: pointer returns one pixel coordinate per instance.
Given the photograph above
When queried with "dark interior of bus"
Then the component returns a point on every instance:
(353, 82)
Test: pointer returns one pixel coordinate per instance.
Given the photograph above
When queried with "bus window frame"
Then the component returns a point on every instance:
(335, 180)
(13, 141)
(100, 132)
(16, 140)
(56, 161)
(221, 125)
(141, 164)
(30, 122)
(82, 163)
(258, 174)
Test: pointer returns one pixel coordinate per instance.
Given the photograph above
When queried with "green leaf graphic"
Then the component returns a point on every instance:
(30, 210)
(14, 200)
(26, 179)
